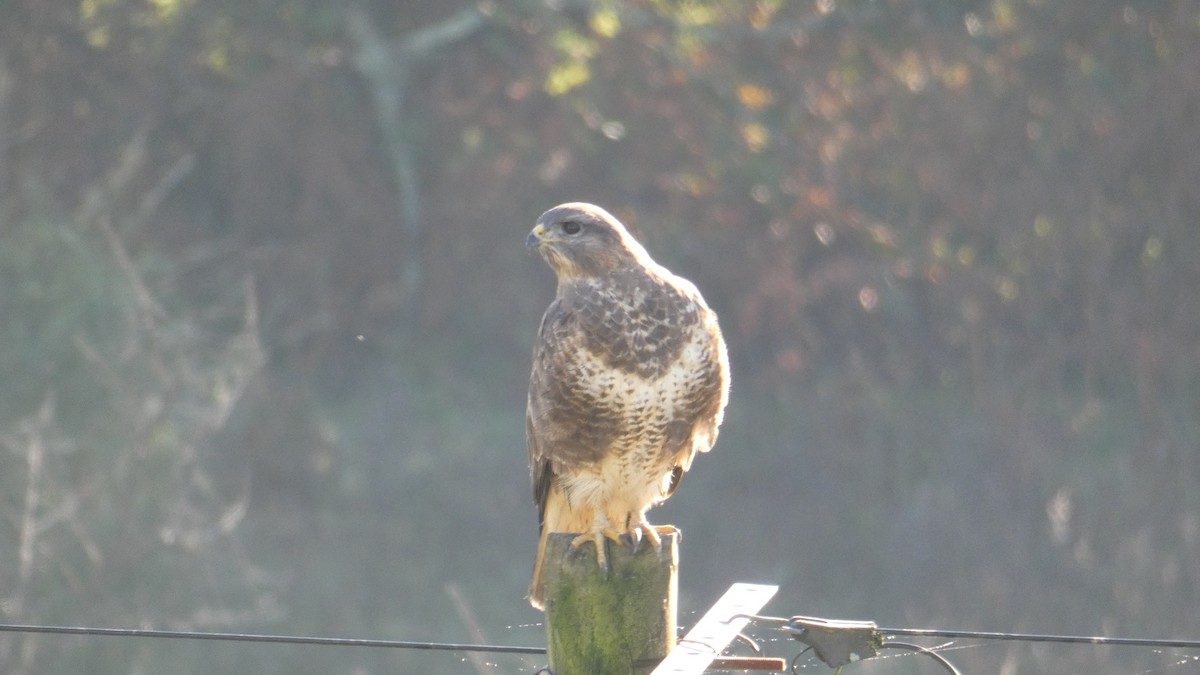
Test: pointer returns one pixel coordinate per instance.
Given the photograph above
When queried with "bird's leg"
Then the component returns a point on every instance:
(599, 532)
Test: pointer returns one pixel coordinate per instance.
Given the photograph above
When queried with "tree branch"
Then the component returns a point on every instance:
(386, 65)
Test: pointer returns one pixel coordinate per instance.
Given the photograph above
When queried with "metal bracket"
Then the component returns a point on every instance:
(836, 642)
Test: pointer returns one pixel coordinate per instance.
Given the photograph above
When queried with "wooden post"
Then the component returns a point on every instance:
(624, 623)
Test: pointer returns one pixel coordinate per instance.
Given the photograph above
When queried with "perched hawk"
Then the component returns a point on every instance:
(630, 380)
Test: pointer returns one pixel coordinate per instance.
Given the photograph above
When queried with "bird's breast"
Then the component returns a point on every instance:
(636, 408)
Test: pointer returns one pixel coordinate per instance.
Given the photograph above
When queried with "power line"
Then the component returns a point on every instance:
(867, 630)
(791, 624)
(282, 639)
(838, 642)
(1038, 637)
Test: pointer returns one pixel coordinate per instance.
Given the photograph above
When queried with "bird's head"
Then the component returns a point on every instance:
(582, 240)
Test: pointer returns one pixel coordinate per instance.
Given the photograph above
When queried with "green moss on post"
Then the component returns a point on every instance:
(624, 623)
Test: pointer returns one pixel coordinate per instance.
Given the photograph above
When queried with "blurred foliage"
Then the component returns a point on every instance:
(250, 386)
(110, 401)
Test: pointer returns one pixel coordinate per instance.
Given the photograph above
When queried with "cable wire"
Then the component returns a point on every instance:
(510, 649)
(796, 623)
(1037, 637)
(283, 639)
(918, 649)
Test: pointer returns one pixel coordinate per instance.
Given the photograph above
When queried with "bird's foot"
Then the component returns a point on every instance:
(665, 530)
(597, 537)
(650, 533)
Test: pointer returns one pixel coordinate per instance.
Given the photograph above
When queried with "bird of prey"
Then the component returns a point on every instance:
(630, 380)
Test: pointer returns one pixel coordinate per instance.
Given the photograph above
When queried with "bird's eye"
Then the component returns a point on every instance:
(571, 227)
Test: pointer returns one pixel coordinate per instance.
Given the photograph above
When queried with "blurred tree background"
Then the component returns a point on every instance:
(267, 313)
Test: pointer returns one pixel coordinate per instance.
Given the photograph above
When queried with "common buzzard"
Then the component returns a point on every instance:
(629, 382)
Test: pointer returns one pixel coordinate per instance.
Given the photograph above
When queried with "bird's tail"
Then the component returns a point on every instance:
(537, 587)
(554, 509)
(559, 515)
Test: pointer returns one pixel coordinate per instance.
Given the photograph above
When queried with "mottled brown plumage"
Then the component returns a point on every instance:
(629, 382)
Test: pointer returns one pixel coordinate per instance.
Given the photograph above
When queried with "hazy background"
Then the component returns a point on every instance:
(267, 314)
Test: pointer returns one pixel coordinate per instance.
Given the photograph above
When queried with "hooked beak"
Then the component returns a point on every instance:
(535, 237)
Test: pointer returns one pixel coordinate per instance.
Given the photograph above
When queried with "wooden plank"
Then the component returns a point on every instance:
(742, 663)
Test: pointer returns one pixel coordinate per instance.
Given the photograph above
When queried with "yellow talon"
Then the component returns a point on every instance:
(597, 537)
